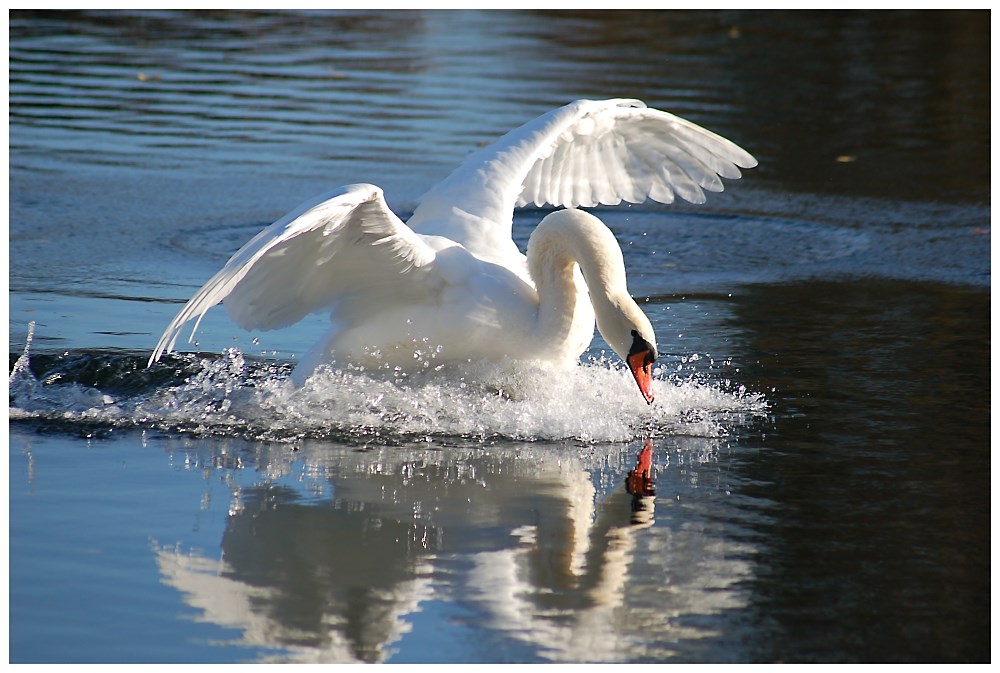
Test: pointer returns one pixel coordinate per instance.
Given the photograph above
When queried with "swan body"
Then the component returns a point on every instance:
(450, 284)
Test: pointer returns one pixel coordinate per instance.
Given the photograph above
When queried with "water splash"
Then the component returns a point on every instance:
(233, 395)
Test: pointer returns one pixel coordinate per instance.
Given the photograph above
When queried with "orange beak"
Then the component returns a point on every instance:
(641, 365)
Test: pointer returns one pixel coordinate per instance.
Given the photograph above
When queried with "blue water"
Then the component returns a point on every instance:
(819, 484)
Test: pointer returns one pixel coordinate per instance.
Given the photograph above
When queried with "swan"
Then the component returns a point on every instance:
(451, 284)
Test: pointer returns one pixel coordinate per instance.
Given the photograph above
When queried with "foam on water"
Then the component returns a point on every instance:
(232, 395)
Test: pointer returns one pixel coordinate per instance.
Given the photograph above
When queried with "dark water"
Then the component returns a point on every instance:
(820, 455)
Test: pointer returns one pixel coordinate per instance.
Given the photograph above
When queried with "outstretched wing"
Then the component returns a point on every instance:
(341, 243)
(583, 154)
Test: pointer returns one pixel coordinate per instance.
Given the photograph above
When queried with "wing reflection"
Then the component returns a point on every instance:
(523, 544)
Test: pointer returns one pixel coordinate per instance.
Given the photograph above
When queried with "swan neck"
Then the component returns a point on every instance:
(562, 242)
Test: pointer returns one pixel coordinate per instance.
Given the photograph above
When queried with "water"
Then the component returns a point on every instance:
(818, 484)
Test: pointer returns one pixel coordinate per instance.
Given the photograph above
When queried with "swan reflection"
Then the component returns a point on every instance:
(538, 546)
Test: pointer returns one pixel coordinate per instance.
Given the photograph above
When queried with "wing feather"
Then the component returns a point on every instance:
(346, 241)
(583, 154)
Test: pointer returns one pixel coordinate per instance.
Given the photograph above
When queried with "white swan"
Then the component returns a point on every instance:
(450, 283)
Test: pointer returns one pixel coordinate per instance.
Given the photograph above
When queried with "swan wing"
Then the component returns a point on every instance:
(345, 242)
(583, 154)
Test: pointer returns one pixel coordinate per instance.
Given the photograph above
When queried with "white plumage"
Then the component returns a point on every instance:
(451, 282)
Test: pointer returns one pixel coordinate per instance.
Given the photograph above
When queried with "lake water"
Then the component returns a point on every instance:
(818, 483)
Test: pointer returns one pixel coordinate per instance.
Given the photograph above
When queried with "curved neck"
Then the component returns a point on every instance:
(559, 243)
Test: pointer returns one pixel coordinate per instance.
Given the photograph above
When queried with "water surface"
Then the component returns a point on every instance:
(818, 478)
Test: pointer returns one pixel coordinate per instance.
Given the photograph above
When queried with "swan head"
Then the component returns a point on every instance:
(630, 334)
(640, 360)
